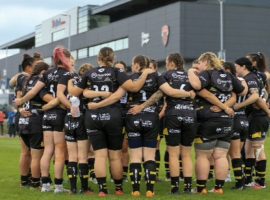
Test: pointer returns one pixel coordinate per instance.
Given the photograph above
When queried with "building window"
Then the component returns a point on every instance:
(58, 35)
(74, 54)
(82, 53)
(116, 45)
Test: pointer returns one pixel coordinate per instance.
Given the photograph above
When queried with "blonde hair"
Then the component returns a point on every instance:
(213, 61)
(85, 68)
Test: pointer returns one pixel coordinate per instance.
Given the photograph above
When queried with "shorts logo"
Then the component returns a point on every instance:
(50, 116)
(165, 33)
(174, 131)
(134, 134)
(105, 117)
(136, 123)
(94, 117)
(147, 124)
(24, 121)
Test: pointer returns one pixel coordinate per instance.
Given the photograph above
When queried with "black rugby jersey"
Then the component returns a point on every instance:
(254, 83)
(221, 84)
(107, 79)
(51, 79)
(177, 80)
(240, 99)
(36, 102)
(151, 85)
(20, 82)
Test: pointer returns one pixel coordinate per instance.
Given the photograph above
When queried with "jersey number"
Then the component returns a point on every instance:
(104, 88)
(52, 90)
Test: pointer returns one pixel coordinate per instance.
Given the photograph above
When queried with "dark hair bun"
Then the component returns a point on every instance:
(37, 55)
(26, 56)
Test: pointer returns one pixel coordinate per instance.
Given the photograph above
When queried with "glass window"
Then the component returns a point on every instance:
(83, 19)
(83, 13)
(118, 45)
(125, 43)
(59, 35)
(82, 53)
(111, 45)
(83, 24)
(74, 54)
(96, 50)
(91, 51)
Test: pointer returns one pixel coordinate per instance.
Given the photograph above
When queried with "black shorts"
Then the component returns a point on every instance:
(30, 125)
(74, 128)
(142, 130)
(215, 132)
(240, 128)
(258, 127)
(30, 130)
(54, 120)
(33, 141)
(104, 128)
(181, 129)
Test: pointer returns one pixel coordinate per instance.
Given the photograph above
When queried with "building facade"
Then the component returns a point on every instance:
(153, 28)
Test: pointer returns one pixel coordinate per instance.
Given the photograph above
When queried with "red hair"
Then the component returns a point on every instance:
(61, 56)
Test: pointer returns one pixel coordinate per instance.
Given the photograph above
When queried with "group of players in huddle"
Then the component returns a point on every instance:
(82, 119)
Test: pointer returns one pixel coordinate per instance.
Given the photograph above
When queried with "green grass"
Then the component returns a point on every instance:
(10, 189)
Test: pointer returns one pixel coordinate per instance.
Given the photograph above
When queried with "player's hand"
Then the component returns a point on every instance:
(148, 71)
(215, 109)
(236, 106)
(92, 106)
(229, 111)
(18, 101)
(136, 109)
(25, 113)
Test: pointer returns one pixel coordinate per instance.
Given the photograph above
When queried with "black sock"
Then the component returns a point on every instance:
(174, 184)
(238, 172)
(46, 179)
(166, 162)
(260, 172)
(125, 171)
(219, 184)
(58, 181)
(150, 174)
(187, 184)
(157, 158)
(180, 167)
(201, 184)
(211, 172)
(91, 163)
(83, 173)
(135, 171)
(25, 180)
(50, 179)
(35, 182)
(250, 163)
(118, 184)
(102, 184)
(72, 172)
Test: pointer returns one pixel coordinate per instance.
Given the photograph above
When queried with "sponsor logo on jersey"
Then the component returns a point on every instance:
(101, 70)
